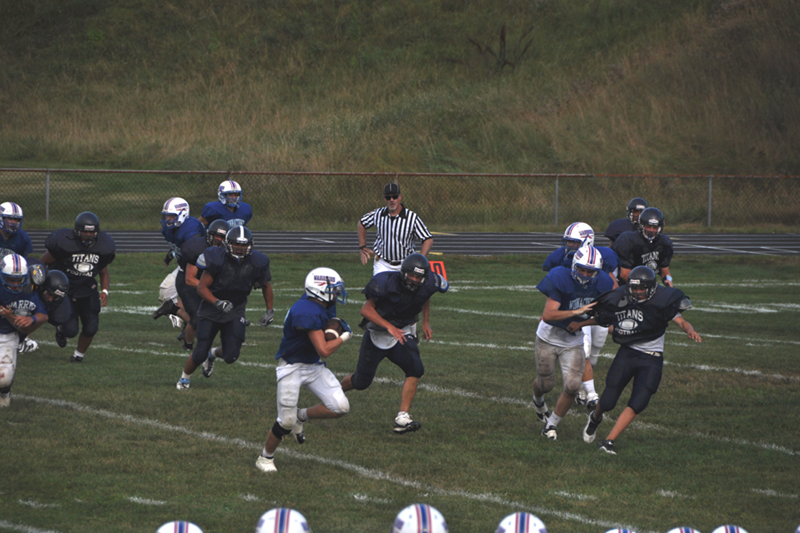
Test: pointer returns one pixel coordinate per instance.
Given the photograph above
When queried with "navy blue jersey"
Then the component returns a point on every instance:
(240, 216)
(398, 305)
(639, 322)
(618, 227)
(18, 243)
(559, 285)
(175, 237)
(634, 250)
(304, 316)
(560, 257)
(23, 304)
(232, 281)
(191, 250)
(80, 263)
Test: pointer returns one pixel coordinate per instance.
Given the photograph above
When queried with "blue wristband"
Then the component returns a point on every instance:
(35, 320)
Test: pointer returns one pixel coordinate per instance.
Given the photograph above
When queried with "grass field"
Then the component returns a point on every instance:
(110, 445)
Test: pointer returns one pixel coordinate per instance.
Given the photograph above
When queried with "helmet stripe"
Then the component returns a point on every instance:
(423, 518)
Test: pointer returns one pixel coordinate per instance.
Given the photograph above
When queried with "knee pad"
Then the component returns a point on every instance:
(546, 383)
(340, 404)
(6, 375)
(361, 383)
(279, 431)
(572, 384)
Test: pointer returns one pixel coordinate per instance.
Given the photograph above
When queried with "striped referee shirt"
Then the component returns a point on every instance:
(395, 235)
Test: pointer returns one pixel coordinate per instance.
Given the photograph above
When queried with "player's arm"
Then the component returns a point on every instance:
(105, 282)
(203, 287)
(624, 273)
(29, 324)
(427, 332)
(47, 258)
(191, 276)
(202, 220)
(427, 244)
(574, 327)
(613, 280)
(324, 348)
(369, 312)
(687, 328)
(665, 277)
(266, 291)
(552, 313)
(363, 250)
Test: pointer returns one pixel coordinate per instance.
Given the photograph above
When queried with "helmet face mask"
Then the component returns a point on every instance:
(586, 264)
(326, 285)
(651, 224)
(641, 284)
(217, 233)
(415, 270)
(14, 273)
(239, 243)
(174, 212)
(229, 193)
(87, 227)
(576, 235)
(11, 217)
(55, 287)
(635, 208)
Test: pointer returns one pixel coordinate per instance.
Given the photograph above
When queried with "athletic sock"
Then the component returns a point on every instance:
(302, 415)
(553, 420)
(589, 386)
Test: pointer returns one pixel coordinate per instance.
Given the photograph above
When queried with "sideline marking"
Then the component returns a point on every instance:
(23, 528)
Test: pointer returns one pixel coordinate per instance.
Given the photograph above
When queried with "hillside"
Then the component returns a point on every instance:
(680, 86)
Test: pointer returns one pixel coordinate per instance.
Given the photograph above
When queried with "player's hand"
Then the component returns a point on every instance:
(693, 335)
(224, 305)
(365, 253)
(427, 332)
(573, 327)
(397, 333)
(267, 318)
(168, 258)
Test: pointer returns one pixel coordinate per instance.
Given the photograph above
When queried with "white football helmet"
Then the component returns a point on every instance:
(521, 523)
(14, 273)
(10, 217)
(282, 520)
(729, 529)
(683, 530)
(327, 285)
(576, 235)
(174, 207)
(179, 527)
(229, 193)
(589, 258)
(419, 518)
(620, 530)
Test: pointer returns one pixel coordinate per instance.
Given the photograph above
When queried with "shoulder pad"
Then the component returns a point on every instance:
(442, 283)
(684, 305)
(201, 261)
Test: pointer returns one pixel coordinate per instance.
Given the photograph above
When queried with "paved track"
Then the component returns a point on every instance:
(462, 243)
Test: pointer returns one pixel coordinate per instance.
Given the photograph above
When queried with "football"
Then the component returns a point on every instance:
(333, 329)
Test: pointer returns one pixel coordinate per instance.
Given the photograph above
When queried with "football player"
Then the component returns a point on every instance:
(82, 253)
(229, 206)
(647, 246)
(20, 313)
(394, 301)
(13, 239)
(629, 223)
(570, 293)
(229, 275)
(52, 287)
(300, 364)
(640, 313)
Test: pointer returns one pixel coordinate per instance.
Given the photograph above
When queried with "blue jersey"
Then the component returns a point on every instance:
(23, 304)
(560, 257)
(232, 281)
(175, 237)
(398, 305)
(239, 217)
(18, 243)
(304, 316)
(559, 285)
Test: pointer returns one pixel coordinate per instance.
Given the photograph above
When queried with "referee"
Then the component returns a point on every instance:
(397, 228)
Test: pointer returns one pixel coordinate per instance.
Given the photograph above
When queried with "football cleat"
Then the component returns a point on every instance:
(580, 398)
(550, 432)
(208, 365)
(75, 359)
(182, 335)
(187, 346)
(165, 309)
(28, 345)
(177, 322)
(265, 465)
(590, 431)
(591, 401)
(297, 432)
(183, 384)
(542, 412)
(61, 339)
(608, 447)
(404, 424)
(5, 399)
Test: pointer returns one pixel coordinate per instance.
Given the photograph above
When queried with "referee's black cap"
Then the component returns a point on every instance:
(391, 189)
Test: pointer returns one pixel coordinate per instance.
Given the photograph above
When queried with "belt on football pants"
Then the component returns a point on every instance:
(393, 263)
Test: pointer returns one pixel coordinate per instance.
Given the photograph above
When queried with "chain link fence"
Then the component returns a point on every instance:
(286, 201)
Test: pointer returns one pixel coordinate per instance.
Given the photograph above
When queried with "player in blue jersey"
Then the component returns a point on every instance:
(13, 239)
(229, 275)
(570, 293)
(629, 223)
(300, 362)
(640, 313)
(394, 301)
(20, 312)
(647, 246)
(229, 206)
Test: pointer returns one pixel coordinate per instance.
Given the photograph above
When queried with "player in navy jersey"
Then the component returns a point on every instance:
(300, 362)
(570, 293)
(639, 313)
(82, 253)
(647, 246)
(229, 275)
(394, 301)
(52, 287)
(229, 206)
(13, 239)
(629, 223)
(20, 313)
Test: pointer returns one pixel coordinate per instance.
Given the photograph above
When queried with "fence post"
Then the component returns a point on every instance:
(556, 209)
(709, 201)
(47, 195)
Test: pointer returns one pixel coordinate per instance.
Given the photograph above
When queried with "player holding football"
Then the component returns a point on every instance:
(229, 206)
(82, 253)
(639, 313)
(229, 275)
(300, 364)
(647, 246)
(394, 301)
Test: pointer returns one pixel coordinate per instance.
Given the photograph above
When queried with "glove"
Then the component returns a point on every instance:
(267, 318)
(246, 322)
(168, 258)
(224, 305)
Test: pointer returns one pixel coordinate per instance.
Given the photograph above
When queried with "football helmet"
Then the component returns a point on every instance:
(14, 273)
(651, 224)
(55, 286)
(174, 212)
(282, 520)
(10, 217)
(327, 285)
(230, 193)
(87, 227)
(620, 530)
(635, 207)
(588, 258)
(217, 232)
(239, 243)
(418, 265)
(641, 277)
(179, 527)
(683, 530)
(576, 235)
(521, 523)
(419, 518)
(729, 529)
